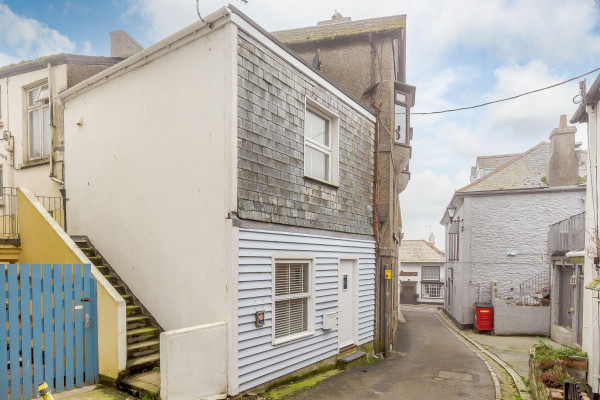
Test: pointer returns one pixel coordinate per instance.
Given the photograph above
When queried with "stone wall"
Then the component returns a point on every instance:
(271, 182)
(515, 223)
(511, 319)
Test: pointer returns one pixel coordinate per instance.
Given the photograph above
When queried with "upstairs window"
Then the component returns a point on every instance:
(321, 144)
(38, 122)
(430, 273)
(401, 118)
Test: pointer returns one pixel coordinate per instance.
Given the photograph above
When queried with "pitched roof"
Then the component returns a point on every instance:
(412, 251)
(342, 29)
(55, 59)
(493, 162)
(524, 171)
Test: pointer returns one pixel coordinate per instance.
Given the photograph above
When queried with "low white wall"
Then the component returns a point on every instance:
(193, 362)
(510, 319)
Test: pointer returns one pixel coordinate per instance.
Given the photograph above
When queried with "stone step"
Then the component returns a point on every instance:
(112, 279)
(147, 362)
(352, 360)
(142, 334)
(80, 242)
(104, 270)
(132, 310)
(128, 299)
(142, 349)
(138, 321)
(95, 260)
(144, 386)
(120, 288)
(88, 251)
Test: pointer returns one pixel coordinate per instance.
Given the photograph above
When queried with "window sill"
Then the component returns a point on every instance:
(34, 163)
(316, 180)
(292, 338)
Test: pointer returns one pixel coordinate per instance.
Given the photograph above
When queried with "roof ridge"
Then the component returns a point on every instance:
(501, 155)
(340, 23)
(503, 166)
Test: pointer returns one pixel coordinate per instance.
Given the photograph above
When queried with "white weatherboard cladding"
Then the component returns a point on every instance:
(259, 360)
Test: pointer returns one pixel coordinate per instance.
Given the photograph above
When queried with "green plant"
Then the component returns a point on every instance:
(548, 364)
(554, 378)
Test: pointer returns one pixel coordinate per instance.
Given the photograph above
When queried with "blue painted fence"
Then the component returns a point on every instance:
(49, 329)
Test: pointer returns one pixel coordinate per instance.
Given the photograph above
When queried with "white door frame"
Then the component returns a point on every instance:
(355, 286)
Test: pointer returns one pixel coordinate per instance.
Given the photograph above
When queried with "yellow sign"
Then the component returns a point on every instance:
(484, 311)
(388, 274)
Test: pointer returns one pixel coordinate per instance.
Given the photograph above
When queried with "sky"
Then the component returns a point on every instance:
(459, 53)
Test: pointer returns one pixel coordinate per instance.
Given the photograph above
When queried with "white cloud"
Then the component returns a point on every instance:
(28, 38)
(534, 115)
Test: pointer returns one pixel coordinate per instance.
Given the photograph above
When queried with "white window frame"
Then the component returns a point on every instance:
(40, 108)
(439, 274)
(332, 150)
(310, 321)
(441, 290)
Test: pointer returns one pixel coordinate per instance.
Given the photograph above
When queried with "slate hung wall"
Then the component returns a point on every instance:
(272, 189)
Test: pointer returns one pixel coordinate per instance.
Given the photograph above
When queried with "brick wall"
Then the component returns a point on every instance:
(271, 183)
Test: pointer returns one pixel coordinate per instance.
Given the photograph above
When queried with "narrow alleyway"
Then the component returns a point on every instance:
(429, 363)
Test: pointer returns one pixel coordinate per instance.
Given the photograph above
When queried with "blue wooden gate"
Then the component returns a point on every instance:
(49, 329)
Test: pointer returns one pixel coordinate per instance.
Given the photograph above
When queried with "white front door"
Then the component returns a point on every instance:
(347, 324)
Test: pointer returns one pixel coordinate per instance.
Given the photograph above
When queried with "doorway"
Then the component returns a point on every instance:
(348, 303)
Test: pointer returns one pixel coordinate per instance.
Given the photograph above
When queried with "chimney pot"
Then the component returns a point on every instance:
(563, 122)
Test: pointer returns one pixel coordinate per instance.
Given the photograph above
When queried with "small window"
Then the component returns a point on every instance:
(401, 119)
(432, 291)
(293, 302)
(320, 144)
(38, 122)
(430, 273)
(345, 283)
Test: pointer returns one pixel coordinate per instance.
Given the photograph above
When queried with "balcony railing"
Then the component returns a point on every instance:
(9, 211)
(567, 235)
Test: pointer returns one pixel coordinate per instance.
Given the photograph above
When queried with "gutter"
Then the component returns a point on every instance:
(167, 45)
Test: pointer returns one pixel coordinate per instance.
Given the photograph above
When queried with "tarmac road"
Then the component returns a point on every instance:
(429, 363)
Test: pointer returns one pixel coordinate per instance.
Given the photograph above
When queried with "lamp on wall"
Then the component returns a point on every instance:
(451, 212)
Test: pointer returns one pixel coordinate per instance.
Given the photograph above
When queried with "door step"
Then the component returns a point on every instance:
(352, 360)
(145, 385)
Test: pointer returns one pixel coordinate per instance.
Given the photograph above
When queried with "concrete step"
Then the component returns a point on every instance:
(128, 299)
(144, 386)
(95, 260)
(144, 363)
(88, 251)
(142, 334)
(352, 360)
(132, 310)
(142, 349)
(120, 288)
(138, 321)
(112, 279)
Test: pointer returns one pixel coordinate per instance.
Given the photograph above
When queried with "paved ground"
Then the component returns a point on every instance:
(92, 393)
(430, 362)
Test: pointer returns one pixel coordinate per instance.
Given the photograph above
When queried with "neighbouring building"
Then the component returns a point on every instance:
(368, 59)
(497, 231)
(421, 272)
(230, 186)
(588, 113)
(31, 118)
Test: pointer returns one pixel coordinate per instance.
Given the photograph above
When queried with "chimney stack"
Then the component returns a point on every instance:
(122, 45)
(335, 19)
(563, 165)
(432, 238)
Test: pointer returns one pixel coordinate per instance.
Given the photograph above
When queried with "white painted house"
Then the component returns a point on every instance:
(497, 228)
(225, 180)
(588, 113)
(422, 272)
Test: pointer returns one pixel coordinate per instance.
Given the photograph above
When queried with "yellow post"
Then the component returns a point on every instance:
(45, 391)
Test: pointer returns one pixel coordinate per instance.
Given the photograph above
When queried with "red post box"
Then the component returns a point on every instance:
(484, 317)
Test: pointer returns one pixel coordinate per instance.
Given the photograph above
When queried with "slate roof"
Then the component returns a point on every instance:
(419, 251)
(524, 171)
(493, 162)
(342, 29)
(55, 59)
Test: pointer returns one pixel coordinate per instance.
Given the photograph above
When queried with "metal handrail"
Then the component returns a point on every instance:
(9, 213)
(567, 235)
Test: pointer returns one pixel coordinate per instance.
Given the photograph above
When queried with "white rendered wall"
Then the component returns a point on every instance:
(13, 111)
(150, 177)
(416, 267)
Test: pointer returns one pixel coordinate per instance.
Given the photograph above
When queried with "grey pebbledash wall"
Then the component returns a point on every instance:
(271, 183)
(515, 223)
